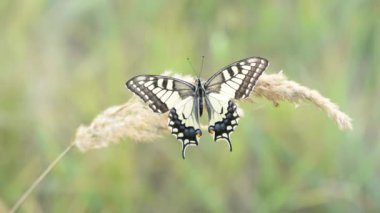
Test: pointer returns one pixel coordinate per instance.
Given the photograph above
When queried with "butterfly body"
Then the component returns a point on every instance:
(200, 91)
(186, 102)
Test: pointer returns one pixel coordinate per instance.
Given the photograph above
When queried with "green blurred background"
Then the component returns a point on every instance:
(64, 61)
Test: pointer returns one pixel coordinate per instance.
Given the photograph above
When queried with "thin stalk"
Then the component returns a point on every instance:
(39, 179)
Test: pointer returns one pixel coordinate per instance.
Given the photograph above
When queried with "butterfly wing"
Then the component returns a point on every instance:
(184, 123)
(238, 79)
(164, 94)
(223, 117)
(235, 81)
(160, 92)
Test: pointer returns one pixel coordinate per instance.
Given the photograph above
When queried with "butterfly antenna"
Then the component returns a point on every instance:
(191, 65)
(200, 72)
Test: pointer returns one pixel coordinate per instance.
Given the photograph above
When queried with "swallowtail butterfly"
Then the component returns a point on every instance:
(185, 101)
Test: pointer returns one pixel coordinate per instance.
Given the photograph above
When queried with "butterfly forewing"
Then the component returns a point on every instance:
(160, 92)
(237, 80)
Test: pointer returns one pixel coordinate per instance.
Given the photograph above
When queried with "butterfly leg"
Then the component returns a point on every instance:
(223, 129)
(188, 135)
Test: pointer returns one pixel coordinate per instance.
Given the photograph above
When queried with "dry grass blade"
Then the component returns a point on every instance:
(136, 121)
(26, 194)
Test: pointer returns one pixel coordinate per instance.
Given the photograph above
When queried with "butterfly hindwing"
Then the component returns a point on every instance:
(237, 80)
(160, 92)
(223, 117)
(184, 125)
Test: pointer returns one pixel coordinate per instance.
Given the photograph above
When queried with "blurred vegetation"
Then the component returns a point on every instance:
(62, 62)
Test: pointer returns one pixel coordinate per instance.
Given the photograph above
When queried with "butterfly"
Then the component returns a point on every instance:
(185, 101)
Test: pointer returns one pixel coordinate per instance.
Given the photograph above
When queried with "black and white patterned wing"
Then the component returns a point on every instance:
(160, 92)
(235, 81)
(223, 116)
(174, 95)
(184, 123)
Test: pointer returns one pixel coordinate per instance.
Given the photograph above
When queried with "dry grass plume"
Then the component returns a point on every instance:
(134, 120)
(277, 88)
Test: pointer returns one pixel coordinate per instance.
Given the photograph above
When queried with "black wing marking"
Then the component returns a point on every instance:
(160, 92)
(237, 80)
